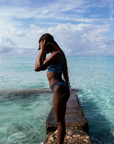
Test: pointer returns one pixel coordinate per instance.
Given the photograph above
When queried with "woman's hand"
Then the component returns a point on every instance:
(43, 45)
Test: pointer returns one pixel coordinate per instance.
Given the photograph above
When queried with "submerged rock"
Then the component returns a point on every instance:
(23, 138)
(19, 133)
(71, 137)
(17, 127)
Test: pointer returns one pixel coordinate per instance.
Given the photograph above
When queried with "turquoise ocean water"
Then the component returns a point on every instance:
(23, 110)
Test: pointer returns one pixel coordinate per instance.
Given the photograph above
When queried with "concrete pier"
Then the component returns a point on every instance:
(76, 124)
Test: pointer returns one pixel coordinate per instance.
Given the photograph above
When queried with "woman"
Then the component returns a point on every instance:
(56, 65)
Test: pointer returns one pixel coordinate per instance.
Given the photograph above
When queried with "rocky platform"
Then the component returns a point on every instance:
(76, 124)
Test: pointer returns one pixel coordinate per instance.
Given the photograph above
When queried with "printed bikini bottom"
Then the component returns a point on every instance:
(60, 83)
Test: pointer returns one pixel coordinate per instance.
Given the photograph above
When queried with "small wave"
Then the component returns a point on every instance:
(27, 92)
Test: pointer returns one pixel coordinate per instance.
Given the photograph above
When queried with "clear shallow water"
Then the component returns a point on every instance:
(94, 76)
(23, 116)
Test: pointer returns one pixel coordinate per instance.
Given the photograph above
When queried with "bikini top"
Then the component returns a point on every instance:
(56, 68)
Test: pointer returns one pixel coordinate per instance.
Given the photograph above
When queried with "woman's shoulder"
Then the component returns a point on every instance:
(55, 57)
(56, 53)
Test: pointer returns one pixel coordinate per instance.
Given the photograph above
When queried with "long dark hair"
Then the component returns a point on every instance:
(50, 39)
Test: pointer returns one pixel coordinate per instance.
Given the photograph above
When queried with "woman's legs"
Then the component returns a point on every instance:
(60, 97)
(59, 111)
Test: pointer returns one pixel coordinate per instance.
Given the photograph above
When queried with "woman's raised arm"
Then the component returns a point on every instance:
(39, 62)
(52, 59)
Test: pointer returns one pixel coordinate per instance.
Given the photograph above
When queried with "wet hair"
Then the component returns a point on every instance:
(50, 39)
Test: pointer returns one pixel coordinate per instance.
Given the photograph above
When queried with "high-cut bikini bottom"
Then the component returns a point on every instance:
(60, 83)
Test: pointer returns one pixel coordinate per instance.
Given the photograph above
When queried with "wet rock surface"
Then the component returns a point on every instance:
(71, 137)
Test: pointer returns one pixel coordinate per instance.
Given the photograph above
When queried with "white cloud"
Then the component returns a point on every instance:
(77, 39)
(20, 33)
(111, 10)
(51, 13)
(5, 49)
(6, 44)
(57, 10)
(6, 40)
(22, 23)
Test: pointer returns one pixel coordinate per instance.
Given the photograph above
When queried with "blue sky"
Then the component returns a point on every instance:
(80, 27)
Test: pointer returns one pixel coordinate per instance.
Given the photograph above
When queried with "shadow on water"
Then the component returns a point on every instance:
(101, 130)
